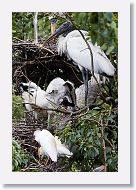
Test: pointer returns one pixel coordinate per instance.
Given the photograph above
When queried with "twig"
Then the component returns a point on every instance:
(62, 110)
(103, 143)
(28, 44)
(35, 27)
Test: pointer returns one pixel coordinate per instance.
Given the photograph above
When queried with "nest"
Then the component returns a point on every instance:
(23, 133)
(41, 64)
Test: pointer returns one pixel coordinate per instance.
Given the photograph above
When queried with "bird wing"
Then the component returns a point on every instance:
(78, 51)
(92, 94)
(49, 147)
(48, 144)
(61, 148)
(55, 84)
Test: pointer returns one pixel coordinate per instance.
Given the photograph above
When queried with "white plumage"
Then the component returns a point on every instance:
(33, 95)
(50, 146)
(58, 89)
(93, 91)
(49, 99)
(74, 46)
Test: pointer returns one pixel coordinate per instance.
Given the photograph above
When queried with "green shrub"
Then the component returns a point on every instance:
(84, 138)
(19, 156)
(17, 108)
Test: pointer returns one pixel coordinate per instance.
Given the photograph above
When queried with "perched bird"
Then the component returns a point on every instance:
(27, 90)
(32, 96)
(50, 146)
(52, 98)
(93, 91)
(61, 90)
(72, 44)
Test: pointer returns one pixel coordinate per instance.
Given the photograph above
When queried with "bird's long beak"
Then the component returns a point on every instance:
(54, 35)
(65, 27)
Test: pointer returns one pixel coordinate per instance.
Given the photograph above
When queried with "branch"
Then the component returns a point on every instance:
(58, 109)
(30, 45)
(35, 27)
(104, 146)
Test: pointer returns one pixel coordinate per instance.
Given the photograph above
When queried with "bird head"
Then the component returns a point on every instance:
(36, 135)
(29, 87)
(70, 92)
(64, 29)
(23, 87)
(64, 101)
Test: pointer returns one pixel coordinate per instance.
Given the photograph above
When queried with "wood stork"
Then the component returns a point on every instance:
(93, 91)
(56, 92)
(50, 146)
(27, 90)
(62, 91)
(72, 44)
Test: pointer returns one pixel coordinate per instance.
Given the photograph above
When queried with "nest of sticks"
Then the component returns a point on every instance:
(39, 64)
(23, 133)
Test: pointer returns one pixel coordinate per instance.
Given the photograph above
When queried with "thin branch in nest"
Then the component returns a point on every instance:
(31, 46)
(61, 110)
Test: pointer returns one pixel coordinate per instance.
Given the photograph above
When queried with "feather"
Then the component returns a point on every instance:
(50, 145)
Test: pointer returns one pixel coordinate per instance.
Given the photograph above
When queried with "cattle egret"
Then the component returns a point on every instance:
(50, 146)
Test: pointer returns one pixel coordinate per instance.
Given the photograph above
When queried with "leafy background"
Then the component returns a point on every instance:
(84, 136)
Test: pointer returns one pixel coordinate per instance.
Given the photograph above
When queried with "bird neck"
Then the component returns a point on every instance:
(67, 32)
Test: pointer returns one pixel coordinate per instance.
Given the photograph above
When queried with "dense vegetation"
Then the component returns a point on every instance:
(92, 136)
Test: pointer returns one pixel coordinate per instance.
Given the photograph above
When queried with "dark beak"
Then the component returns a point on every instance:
(53, 36)
(64, 28)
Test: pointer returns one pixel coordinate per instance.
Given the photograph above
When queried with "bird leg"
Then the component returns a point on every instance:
(85, 79)
(45, 163)
(86, 87)
(49, 121)
(40, 155)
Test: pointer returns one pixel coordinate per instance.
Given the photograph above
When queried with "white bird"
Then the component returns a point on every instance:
(27, 90)
(93, 91)
(72, 44)
(60, 89)
(50, 146)
(32, 95)
(57, 90)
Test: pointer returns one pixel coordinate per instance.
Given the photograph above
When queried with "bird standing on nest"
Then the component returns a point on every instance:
(50, 146)
(72, 44)
(39, 101)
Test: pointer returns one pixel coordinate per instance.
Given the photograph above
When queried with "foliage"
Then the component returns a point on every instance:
(84, 138)
(102, 27)
(19, 156)
(22, 25)
(83, 134)
(17, 108)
